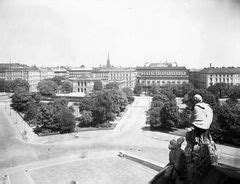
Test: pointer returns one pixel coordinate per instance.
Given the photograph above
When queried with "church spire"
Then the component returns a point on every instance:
(108, 62)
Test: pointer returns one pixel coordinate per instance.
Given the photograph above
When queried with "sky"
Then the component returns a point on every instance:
(133, 32)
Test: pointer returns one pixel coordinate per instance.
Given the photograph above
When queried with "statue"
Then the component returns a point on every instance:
(191, 165)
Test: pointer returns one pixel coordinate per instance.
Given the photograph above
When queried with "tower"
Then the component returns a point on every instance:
(108, 62)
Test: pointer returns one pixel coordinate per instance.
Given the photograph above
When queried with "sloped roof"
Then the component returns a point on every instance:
(222, 70)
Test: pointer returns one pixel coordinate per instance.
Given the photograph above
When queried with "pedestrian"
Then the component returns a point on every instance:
(200, 150)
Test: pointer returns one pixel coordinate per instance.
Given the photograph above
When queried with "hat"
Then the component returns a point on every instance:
(198, 97)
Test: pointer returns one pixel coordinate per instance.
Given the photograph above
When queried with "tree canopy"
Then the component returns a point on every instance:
(112, 85)
(97, 85)
(67, 87)
(47, 88)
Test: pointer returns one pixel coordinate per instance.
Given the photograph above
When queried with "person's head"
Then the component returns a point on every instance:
(197, 98)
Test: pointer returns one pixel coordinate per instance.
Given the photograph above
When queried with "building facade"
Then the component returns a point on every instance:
(46, 73)
(126, 77)
(61, 73)
(161, 75)
(83, 85)
(32, 76)
(79, 72)
(212, 75)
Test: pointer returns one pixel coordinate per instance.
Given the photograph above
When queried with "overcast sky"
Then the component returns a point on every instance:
(75, 32)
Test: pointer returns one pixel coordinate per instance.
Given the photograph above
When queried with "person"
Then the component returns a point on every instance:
(191, 165)
(200, 150)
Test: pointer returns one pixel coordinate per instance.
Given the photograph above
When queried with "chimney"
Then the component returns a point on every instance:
(210, 65)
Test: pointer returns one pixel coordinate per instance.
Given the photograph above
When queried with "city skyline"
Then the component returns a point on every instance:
(75, 33)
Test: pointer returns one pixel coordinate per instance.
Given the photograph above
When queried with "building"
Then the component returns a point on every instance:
(79, 72)
(83, 84)
(46, 73)
(212, 75)
(161, 74)
(31, 75)
(61, 72)
(124, 76)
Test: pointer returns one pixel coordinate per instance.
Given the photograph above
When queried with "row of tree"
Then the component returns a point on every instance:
(47, 87)
(225, 128)
(222, 90)
(164, 112)
(10, 86)
(102, 106)
(49, 117)
(178, 90)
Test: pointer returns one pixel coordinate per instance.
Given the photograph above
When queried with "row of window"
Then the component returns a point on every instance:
(162, 73)
(163, 82)
(82, 90)
(222, 79)
(82, 83)
(221, 75)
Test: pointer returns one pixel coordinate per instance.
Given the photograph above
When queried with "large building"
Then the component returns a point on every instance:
(61, 72)
(161, 74)
(31, 75)
(83, 84)
(46, 73)
(125, 77)
(212, 75)
(79, 72)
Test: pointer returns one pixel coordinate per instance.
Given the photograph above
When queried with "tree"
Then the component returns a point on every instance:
(112, 85)
(67, 87)
(86, 103)
(104, 108)
(46, 118)
(57, 79)
(170, 115)
(20, 83)
(219, 89)
(97, 86)
(66, 121)
(47, 88)
(21, 99)
(207, 96)
(2, 85)
(160, 97)
(154, 89)
(119, 100)
(234, 92)
(154, 118)
(168, 93)
(86, 119)
(138, 89)
(31, 112)
(129, 93)
(226, 127)
(9, 86)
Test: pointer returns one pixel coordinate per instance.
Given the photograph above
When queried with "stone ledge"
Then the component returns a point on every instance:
(143, 161)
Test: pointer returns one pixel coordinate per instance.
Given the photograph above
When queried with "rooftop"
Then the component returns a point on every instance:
(221, 70)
